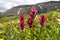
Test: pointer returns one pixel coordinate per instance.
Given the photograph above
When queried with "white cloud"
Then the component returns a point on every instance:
(7, 4)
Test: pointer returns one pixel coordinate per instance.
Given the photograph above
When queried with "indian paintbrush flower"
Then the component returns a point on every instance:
(42, 19)
(21, 23)
(33, 11)
(30, 21)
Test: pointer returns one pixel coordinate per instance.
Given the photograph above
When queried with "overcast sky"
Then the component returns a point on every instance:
(7, 4)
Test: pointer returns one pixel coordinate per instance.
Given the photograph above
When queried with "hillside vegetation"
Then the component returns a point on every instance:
(10, 30)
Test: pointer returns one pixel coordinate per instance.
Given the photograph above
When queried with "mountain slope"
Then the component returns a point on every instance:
(44, 7)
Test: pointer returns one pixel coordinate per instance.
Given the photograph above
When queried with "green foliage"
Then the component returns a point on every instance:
(50, 31)
(6, 19)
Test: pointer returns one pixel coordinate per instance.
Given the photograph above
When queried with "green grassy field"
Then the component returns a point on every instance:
(10, 30)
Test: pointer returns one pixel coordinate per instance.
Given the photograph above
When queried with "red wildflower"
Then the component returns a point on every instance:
(30, 21)
(21, 16)
(42, 19)
(21, 24)
(33, 11)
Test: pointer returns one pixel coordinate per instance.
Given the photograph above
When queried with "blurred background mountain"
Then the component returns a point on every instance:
(41, 7)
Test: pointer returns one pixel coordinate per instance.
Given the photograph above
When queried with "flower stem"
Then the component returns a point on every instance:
(22, 38)
(40, 33)
(32, 36)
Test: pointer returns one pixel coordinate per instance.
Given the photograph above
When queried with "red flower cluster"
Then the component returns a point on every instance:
(33, 11)
(42, 19)
(30, 21)
(21, 23)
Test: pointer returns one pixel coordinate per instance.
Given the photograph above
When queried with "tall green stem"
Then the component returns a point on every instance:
(32, 32)
(22, 38)
(40, 33)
